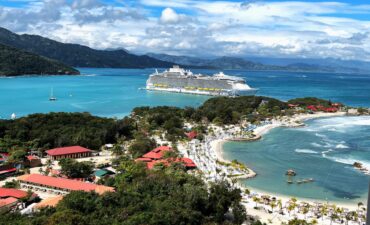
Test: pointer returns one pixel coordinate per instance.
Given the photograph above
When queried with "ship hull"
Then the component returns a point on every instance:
(228, 93)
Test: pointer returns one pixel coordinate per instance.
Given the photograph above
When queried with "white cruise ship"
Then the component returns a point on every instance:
(180, 80)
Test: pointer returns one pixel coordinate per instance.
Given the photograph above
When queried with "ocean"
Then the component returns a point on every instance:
(323, 150)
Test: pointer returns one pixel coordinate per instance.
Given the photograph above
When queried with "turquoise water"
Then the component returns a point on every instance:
(115, 92)
(314, 151)
(323, 150)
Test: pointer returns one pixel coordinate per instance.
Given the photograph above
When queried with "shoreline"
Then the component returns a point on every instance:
(217, 145)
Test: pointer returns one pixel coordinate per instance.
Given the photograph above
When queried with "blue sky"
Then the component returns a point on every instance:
(306, 29)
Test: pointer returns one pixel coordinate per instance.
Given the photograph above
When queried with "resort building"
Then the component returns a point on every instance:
(58, 186)
(157, 153)
(33, 161)
(191, 135)
(188, 163)
(156, 157)
(10, 198)
(8, 204)
(68, 152)
(49, 202)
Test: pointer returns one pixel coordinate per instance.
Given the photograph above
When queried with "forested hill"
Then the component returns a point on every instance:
(14, 62)
(78, 55)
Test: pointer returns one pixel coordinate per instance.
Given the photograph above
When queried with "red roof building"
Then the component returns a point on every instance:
(157, 153)
(68, 152)
(312, 108)
(7, 203)
(191, 135)
(7, 172)
(143, 160)
(12, 192)
(292, 105)
(188, 163)
(59, 185)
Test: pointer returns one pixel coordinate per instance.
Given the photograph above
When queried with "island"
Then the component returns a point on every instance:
(159, 165)
(15, 62)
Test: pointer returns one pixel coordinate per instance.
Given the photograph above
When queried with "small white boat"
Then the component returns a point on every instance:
(52, 97)
(13, 116)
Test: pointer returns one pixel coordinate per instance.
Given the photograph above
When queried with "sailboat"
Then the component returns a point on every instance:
(52, 97)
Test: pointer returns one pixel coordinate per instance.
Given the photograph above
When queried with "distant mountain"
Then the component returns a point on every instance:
(314, 65)
(336, 65)
(14, 62)
(78, 55)
(217, 63)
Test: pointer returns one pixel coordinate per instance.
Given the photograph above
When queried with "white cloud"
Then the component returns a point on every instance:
(169, 16)
(202, 27)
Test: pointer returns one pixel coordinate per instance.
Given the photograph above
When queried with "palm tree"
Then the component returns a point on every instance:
(314, 222)
(291, 207)
(323, 211)
(306, 209)
(280, 204)
(247, 191)
(359, 205)
(256, 200)
(273, 205)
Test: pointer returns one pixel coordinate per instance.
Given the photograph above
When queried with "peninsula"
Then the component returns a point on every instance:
(168, 157)
(15, 62)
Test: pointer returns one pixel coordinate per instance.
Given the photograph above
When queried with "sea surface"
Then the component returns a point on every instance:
(323, 150)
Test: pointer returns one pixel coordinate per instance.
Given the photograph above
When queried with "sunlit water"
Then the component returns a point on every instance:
(323, 150)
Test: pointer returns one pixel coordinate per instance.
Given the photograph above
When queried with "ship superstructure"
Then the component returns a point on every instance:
(179, 80)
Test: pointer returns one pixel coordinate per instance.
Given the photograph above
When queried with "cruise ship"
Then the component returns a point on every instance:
(179, 80)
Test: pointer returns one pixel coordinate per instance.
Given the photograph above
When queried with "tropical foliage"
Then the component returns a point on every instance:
(15, 62)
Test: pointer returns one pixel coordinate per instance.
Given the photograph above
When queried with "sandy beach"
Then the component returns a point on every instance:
(274, 218)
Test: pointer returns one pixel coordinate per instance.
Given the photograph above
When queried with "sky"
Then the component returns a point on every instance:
(299, 29)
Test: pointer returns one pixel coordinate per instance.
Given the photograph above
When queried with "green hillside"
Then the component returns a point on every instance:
(15, 62)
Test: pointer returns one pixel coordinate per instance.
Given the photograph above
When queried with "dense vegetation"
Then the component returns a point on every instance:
(310, 101)
(74, 169)
(168, 196)
(15, 62)
(45, 131)
(230, 110)
(78, 55)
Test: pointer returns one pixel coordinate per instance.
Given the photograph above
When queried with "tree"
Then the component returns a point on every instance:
(141, 145)
(17, 156)
(296, 221)
(12, 184)
(256, 200)
(272, 205)
(74, 169)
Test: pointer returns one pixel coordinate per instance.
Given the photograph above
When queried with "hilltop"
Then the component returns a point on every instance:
(14, 62)
(78, 55)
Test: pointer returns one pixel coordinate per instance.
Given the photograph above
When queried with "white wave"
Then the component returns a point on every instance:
(326, 152)
(316, 145)
(306, 151)
(340, 124)
(341, 146)
(350, 161)
(320, 135)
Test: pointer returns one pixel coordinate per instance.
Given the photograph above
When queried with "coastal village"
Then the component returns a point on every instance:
(42, 180)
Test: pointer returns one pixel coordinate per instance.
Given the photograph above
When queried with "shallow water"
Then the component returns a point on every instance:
(323, 150)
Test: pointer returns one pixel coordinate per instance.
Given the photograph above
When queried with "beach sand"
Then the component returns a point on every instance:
(275, 218)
